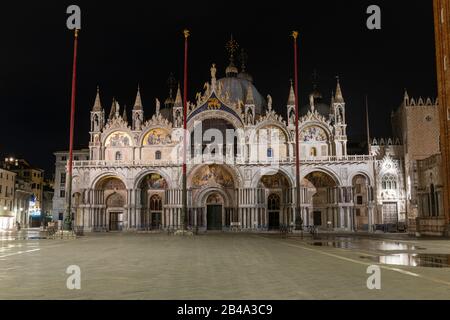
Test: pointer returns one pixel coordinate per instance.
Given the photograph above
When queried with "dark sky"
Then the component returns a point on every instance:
(123, 44)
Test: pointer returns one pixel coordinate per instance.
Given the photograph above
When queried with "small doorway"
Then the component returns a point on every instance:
(115, 221)
(390, 213)
(317, 218)
(214, 217)
(273, 206)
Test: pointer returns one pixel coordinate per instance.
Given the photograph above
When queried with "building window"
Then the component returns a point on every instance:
(273, 202)
(158, 155)
(359, 200)
(63, 178)
(269, 153)
(62, 193)
(313, 152)
(118, 156)
(63, 158)
(389, 182)
(155, 203)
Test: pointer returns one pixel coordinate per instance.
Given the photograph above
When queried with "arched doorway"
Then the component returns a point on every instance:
(214, 212)
(279, 208)
(152, 189)
(361, 202)
(115, 210)
(274, 207)
(321, 197)
(110, 198)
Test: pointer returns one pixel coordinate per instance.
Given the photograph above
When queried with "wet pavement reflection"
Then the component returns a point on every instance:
(414, 260)
(388, 252)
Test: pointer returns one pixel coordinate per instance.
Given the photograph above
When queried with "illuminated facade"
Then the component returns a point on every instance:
(132, 180)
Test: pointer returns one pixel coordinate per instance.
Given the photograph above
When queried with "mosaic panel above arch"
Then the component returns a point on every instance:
(154, 181)
(157, 137)
(212, 175)
(313, 134)
(118, 139)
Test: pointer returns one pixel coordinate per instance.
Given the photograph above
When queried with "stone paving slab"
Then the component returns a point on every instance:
(213, 266)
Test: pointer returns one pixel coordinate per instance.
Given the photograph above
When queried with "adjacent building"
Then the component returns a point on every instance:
(7, 185)
(28, 174)
(59, 186)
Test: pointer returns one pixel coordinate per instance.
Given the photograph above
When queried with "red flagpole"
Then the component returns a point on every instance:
(184, 196)
(297, 142)
(72, 124)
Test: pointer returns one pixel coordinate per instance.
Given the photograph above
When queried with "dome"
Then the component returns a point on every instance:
(245, 76)
(321, 108)
(237, 90)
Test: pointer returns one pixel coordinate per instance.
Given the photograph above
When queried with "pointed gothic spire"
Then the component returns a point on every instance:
(117, 108)
(249, 100)
(97, 103)
(178, 99)
(338, 97)
(291, 99)
(406, 97)
(124, 115)
(113, 109)
(138, 101)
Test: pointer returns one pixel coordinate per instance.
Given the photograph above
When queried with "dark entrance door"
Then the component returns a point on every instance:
(317, 218)
(214, 216)
(273, 205)
(115, 222)
(156, 219)
(274, 220)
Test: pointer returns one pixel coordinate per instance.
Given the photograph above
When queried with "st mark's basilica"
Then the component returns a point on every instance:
(132, 178)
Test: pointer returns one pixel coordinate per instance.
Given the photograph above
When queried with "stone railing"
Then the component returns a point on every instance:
(163, 163)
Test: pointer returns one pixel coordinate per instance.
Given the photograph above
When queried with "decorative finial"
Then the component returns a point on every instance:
(232, 46)
(315, 79)
(213, 71)
(244, 58)
(186, 33)
(76, 32)
(295, 35)
(158, 106)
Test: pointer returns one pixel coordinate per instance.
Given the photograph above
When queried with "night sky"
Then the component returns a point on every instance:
(123, 44)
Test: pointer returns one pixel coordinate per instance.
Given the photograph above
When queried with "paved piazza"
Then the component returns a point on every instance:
(220, 266)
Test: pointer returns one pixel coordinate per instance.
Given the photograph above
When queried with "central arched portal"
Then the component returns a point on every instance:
(213, 190)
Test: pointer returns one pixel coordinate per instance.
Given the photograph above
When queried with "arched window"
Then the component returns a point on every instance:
(269, 153)
(273, 202)
(158, 155)
(389, 182)
(155, 203)
(118, 156)
(313, 152)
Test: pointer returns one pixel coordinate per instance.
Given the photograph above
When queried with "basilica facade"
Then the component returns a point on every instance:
(240, 165)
